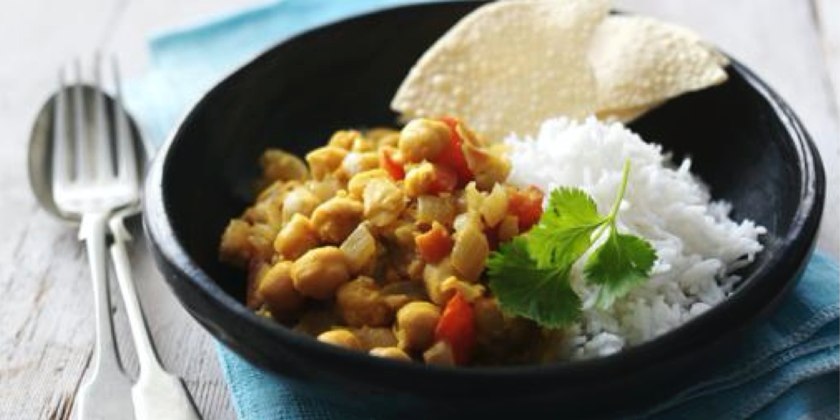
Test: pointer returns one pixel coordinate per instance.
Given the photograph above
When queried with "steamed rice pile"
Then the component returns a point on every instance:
(698, 245)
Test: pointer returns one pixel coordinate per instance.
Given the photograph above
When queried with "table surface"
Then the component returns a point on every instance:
(46, 316)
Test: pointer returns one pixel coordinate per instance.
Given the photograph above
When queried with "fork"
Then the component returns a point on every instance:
(95, 176)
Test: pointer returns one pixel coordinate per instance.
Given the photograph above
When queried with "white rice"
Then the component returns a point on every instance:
(697, 243)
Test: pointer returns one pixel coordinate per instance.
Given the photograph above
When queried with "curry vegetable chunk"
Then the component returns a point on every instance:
(368, 243)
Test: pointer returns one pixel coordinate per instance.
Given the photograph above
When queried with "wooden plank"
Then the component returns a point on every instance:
(827, 17)
(46, 319)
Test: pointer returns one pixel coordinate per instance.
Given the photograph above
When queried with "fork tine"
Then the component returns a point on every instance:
(126, 160)
(102, 139)
(80, 140)
(60, 167)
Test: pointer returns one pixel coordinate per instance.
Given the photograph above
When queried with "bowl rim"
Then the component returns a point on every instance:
(799, 236)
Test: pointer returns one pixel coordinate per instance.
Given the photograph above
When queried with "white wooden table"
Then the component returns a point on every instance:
(46, 316)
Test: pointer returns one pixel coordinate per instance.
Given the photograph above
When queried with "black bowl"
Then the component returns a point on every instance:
(745, 142)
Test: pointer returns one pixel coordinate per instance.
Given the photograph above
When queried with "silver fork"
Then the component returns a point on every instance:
(95, 176)
(84, 184)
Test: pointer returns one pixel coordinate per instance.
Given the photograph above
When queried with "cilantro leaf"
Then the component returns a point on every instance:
(523, 288)
(564, 231)
(619, 264)
(530, 274)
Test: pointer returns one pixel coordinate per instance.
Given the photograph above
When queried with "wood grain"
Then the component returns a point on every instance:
(46, 325)
(827, 19)
(46, 318)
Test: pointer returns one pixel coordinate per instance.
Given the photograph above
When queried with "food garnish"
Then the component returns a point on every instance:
(509, 65)
(640, 62)
(531, 274)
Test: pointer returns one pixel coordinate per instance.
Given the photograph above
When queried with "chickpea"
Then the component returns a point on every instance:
(439, 354)
(390, 140)
(357, 184)
(299, 201)
(383, 201)
(379, 133)
(278, 292)
(393, 353)
(489, 320)
(369, 161)
(416, 322)
(357, 162)
(273, 213)
(297, 237)
(325, 160)
(256, 272)
(266, 210)
(278, 165)
(324, 189)
(320, 272)
(404, 232)
(371, 337)
(344, 138)
(363, 144)
(276, 191)
(433, 277)
(235, 247)
(423, 139)
(488, 167)
(260, 239)
(420, 180)
(336, 218)
(360, 303)
(470, 291)
(341, 338)
(415, 269)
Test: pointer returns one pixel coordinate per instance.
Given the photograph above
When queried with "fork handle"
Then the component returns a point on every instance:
(104, 393)
(92, 231)
(157, 394)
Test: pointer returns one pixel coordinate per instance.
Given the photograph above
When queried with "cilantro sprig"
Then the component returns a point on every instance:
(530, 274)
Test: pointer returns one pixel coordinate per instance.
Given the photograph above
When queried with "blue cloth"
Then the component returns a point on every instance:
(787, 367)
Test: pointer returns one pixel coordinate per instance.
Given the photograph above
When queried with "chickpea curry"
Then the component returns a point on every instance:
(378, 243)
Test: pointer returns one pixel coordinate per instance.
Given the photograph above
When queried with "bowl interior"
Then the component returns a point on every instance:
(297, 94)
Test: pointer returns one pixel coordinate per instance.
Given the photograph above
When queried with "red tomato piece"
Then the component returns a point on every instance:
(444, 180)
(453, 155)
(391, 163)
(433, 245)
(457, 328)
(526, 205)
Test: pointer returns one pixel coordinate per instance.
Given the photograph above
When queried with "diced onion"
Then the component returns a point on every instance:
(470, 252)
(494, 207)
(473, 196)
(359, 248)
(431, 208)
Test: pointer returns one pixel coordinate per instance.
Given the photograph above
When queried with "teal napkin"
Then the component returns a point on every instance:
(787, 367)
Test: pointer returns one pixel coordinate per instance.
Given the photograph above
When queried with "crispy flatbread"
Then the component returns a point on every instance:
(508, 66)
(640, 61)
